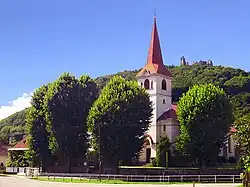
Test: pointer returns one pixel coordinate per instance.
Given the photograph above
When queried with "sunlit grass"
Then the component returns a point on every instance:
(103, 181)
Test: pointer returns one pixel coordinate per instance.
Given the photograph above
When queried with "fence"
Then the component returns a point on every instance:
(16, 169)
(147, 178)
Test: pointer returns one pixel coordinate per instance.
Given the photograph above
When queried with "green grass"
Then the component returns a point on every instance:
(3, 175)
(103, 181)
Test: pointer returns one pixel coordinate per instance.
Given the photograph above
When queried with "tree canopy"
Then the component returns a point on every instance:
(67, 104)
(205, 116)
(37, 139)
(242, 136)
(118, 118)
(234, 81)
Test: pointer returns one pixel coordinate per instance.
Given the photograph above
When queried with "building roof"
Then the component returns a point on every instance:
(3, 149)
(169, 114)
(155, 61)
(21, 145)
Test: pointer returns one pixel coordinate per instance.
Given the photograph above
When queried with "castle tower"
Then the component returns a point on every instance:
(157, 79)
(183, 61)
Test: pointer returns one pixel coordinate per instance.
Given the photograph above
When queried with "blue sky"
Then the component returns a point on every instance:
(41, 39)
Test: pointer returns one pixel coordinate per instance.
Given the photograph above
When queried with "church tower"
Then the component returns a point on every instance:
(157, 80)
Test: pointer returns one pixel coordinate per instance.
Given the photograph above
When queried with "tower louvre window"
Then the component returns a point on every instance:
(164, 128)
(164, 101)
(163, 84)
(146, 84)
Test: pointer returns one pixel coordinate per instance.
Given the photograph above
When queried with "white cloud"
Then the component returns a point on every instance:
(16, 105)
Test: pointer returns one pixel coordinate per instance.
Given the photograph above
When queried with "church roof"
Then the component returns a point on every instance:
(155, 61)
(169, 114)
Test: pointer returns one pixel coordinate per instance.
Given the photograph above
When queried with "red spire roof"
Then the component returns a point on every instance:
(155, 61)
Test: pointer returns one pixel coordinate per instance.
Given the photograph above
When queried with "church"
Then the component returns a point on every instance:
(157, 80)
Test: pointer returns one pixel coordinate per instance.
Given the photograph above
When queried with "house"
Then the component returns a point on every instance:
(157, 80)
(3, 153)
(20, 146)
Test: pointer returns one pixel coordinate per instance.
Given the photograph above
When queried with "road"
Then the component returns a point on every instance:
(16, 181)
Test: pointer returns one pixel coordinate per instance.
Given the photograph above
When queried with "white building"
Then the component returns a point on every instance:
(157, 79)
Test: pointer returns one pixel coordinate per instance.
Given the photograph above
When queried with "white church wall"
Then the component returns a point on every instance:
(171, 128)
(161, 102)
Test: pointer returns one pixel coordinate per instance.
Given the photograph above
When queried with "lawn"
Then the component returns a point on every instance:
(103, 181)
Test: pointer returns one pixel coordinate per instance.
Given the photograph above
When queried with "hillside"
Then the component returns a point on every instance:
(12, 124)
(236, 83)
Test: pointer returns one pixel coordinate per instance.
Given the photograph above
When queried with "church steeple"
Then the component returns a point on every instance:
(155, 62)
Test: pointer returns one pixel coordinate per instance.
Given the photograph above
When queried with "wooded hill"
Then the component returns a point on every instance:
(235, 82)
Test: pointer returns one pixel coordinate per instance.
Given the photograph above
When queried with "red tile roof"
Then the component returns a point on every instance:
(174, 107)
(169, 114)
(155, 61)
(233, 130)
(21, 144)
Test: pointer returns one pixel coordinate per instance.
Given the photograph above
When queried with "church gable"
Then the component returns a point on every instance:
(169, 114)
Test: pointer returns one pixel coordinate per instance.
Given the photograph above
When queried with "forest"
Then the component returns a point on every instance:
(235, 82)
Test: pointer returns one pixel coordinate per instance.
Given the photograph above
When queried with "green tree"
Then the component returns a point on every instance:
(37, 139)
(162, 150)
(121, 114)
(242, 136)
(205, 115)
(67, 103)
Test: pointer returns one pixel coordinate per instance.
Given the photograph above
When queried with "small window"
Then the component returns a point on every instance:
(163, 85)
(152, 84)
(164, 128)
(141, 84)
(146, 84)
(164, 101)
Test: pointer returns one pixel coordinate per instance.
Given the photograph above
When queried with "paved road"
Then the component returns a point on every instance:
(16, 181)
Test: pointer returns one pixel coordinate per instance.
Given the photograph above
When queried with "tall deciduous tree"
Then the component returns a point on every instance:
(119, 118)
(37, 138)
(243, 138)
(67, 104)
(205, 116)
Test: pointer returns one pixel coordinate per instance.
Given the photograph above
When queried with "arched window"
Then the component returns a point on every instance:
(163, 85)
(146, 84)
(164, 101)
(141, 84)
(152, 84)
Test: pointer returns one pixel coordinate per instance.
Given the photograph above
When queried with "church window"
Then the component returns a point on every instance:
(164, 85)
(141, 84)
(146, 84)
(164, 128)
(164, 101)
(152, 85)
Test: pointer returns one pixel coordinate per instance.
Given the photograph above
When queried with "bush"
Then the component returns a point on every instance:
(153, 162)
(162, 150)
